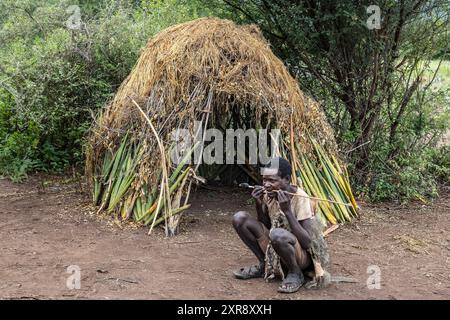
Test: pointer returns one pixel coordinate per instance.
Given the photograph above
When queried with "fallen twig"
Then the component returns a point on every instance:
(330, 230)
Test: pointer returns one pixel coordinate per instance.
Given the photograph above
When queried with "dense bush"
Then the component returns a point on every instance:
(54, 78)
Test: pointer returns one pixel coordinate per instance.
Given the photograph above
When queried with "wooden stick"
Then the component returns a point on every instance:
(245, 185)
(165, 179)
(330, 230)
(293, 154)
(318, 199)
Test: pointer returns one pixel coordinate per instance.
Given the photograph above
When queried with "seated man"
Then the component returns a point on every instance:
(285, 236)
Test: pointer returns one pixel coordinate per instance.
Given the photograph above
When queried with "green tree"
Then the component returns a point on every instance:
(54, 78)
(371, 81)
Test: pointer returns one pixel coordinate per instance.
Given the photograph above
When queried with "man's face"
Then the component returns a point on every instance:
(274, 182)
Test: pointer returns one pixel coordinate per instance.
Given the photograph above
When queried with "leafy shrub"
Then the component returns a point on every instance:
(54, 79)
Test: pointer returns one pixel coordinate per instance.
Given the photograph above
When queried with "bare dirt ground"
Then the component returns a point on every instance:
(43, 230)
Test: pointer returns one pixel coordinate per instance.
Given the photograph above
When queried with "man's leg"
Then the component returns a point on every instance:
(293, 256)
(253, 233)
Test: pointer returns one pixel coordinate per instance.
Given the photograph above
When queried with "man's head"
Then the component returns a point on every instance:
(277, 174)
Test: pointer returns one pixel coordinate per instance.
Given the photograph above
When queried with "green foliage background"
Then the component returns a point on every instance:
(53, 80)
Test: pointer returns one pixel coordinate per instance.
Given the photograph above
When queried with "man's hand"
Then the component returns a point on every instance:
(284, 201)
(258, 192)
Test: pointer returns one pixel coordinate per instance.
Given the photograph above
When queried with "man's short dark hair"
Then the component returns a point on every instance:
(284, 167)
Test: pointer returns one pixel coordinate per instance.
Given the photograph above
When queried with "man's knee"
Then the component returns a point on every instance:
(279, 236)
(240, 218)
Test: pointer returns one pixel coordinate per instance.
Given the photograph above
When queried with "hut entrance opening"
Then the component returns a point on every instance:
(235, 144)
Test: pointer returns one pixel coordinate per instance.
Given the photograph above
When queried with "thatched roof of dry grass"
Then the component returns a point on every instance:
(210, 64)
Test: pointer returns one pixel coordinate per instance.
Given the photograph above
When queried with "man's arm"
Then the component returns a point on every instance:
(297, 228)
(261, 209)
(262, 214)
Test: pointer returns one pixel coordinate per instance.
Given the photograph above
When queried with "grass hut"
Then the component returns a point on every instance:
(221, 75)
